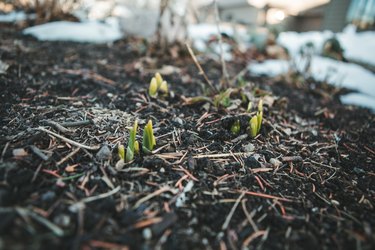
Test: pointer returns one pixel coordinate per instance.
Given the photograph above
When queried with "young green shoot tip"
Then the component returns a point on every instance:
(158, 85)
(149, 141)
(236, 127)
(133, 146)
(256, 120)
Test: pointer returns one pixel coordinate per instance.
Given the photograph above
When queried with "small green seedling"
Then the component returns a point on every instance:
(236, 127)
(149, 141)
(153, 88)
(223, 99)
(158, 85)
(256, 120)
(121, 151)
(133, 146)
(249, 107)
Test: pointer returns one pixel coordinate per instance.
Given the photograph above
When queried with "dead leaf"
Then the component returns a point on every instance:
(71, 168)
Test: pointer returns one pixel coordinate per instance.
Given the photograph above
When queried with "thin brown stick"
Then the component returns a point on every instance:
(201, 71)
(267, 196)
(253, 236)
(152, 195)
(74, 143)
(71, 154)
(230, 215)
(225, 78)
(249, 216)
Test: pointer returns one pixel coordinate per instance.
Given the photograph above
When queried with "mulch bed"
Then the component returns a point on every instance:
(306, 182)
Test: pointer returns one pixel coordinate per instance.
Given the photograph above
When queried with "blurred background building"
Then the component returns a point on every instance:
(295, 15)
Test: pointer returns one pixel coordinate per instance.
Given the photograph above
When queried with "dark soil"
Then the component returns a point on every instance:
(306, 182)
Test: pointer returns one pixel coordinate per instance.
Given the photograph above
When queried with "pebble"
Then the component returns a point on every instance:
(249, 147)
(104, 153)
(178, 120)
(275, 162)
(335, 202)
(147, 234)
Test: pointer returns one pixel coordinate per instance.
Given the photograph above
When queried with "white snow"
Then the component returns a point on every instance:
(200, 34)
(359, 99)
(270, 67)
(15, 16)
(358, 46)
(89, 31)
(181, 198)
(337, 73)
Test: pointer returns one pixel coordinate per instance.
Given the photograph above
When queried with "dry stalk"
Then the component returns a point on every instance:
(201, 71)
(225, 79)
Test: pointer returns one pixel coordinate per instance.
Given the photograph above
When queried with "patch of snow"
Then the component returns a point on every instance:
(341, 74)
(15, 16)
(272, 67)
(89, 31)
(204, 31)
(181, 199)
(293, 41)
(359, 99)
(358, 46)
(348, 75)
(200, 34)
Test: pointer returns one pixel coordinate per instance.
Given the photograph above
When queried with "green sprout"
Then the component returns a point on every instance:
(157, 84)
(153, 88)
(256, 120)
(121, 151)
(249, 107)
(149, 141)
(236, 127)
(223, 99)
(133, 146)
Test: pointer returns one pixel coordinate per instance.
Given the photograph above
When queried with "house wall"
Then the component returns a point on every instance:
(304, 23)
(241, 14)
(335, 15)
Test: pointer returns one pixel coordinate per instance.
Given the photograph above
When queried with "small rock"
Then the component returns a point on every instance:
(19, 152)
(358, 170)
(120, 164)
(335, 202)
(49, 195)
(288, 131)
(314, 132)
(3, 67)
(248, 147)
(178, 120)
(251, 162)
(104, 153)
(62, 220)
(275, 162)
(147, 234)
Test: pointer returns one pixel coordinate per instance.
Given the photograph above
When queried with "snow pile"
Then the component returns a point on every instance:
(337, 73)
(200, 34)
(358, 46)
(89, 31)
(16, 16)
(272, 67)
